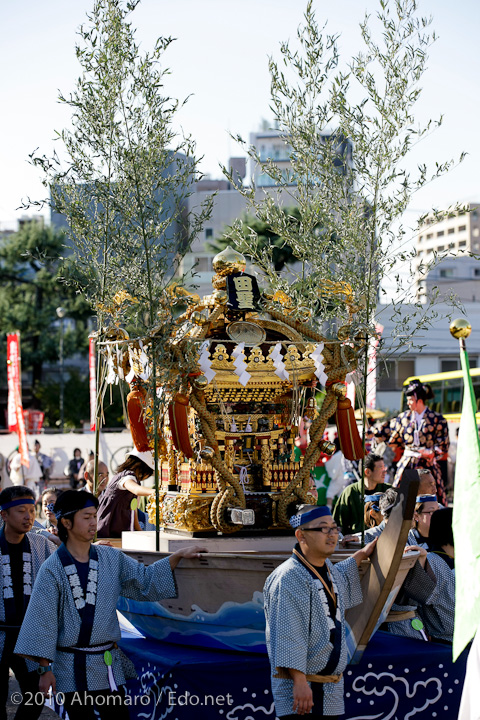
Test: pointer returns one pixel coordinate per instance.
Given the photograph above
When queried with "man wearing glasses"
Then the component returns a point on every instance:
(305, 602)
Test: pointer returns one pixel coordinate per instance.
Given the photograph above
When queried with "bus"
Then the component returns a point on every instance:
(448, 392)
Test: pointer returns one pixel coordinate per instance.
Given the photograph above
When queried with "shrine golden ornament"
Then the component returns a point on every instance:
(200, 382)
(339, 389)
(198, 318)
(220, 297)
(229, 261)
(460, 328)
(207, 453)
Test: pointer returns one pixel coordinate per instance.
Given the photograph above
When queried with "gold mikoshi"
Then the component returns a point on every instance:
(198, 318)
(200, 382)
(460, 328)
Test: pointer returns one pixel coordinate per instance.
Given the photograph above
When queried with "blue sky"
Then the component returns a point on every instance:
(220, 57)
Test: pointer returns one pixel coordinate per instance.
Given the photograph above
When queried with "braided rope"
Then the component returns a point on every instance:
(299, 485)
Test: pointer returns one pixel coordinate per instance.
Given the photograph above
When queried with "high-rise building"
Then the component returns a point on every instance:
(458, 234)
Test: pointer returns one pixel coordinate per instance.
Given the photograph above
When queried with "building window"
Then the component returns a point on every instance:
(476, 272)
(203, 264)
(420, 238)
(429, 236)
(476, 232)
(208, 233)
(453, 364)
(462, 228)
(446, 273)
(451, 231)
(441, 248)
(463, 243)
(440, 233)
(394, 373)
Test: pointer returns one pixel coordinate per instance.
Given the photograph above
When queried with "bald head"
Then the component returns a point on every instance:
(90, 474)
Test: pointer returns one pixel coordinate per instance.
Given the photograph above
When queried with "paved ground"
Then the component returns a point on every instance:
(47, 714)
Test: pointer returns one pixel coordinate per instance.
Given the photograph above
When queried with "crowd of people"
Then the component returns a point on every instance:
(54, 564)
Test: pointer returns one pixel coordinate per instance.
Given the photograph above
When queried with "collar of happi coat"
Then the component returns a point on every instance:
(80, 598)
(7, 586)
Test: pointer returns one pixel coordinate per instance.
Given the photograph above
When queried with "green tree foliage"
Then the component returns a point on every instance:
(125, 175)
(31, 288)
(282, 253)
(349, 130)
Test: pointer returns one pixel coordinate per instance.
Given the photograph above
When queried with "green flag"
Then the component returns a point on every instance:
(466, 513)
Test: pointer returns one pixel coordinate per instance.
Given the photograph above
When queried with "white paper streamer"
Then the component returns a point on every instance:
(317, 358)
(240, 364)
(277, 358)
(205, 364)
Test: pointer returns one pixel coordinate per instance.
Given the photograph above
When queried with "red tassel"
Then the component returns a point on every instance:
(177, 413)
(135, 408)
(350, 441)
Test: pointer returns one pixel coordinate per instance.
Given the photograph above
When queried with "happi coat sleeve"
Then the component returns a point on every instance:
(40, 549)
(298, 628)
(433, 589)
(52, 621)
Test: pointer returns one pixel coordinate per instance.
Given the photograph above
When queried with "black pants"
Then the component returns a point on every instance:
(31, 704)
(109, 705)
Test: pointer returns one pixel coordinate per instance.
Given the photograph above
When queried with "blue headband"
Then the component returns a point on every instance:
(64, 513)
(426, 498)
(317, 511)
(21, 501)
(373, 498)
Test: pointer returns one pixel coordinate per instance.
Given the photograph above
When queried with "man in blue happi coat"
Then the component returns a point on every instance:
(71, 627)
(21, 554)
(305, 602)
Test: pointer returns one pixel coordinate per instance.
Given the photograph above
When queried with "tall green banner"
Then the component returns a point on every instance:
(466, 517)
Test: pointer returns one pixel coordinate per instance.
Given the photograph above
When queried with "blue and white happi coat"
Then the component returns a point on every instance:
(299, 625)
(433, 591)
(53, 620)
(40, 550)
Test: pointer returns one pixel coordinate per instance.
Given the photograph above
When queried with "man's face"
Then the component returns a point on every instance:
(377, 475)
(84, 524)
(20, 518)
(424, 517)
(77, 454)
(322, 544)
(427, 485)
(102, 477)
(412, 402)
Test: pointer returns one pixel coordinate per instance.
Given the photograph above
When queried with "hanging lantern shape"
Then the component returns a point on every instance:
(135, 410)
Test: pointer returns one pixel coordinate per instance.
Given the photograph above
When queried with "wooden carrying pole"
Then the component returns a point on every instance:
(387, 568)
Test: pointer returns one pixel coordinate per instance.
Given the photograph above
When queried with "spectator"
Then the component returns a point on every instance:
(23, 475)
(49, 498)
(114, 512)
(46, 465)
(81, 472)
(349, 510)
(74, 468)
(90, 477)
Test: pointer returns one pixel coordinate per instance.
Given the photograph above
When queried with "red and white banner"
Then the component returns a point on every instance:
(92, 382)
(16, 421)
(372, 367)
(13, 378)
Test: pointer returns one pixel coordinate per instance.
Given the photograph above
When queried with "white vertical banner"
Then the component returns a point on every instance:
(372, 367)
(92, 382)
